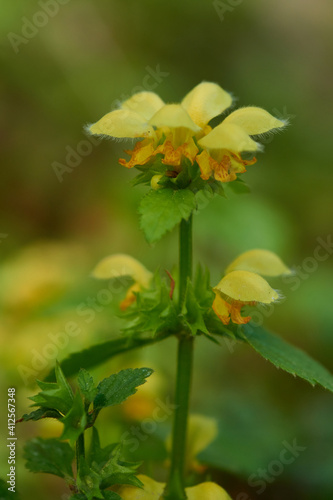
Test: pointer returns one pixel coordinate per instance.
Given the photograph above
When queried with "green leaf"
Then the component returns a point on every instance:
(119, 386)
(111, 495)
(98, 456)
(41, 413)
(154, 311)
(192, 313)
(287, 357)
(58, 396)
(86, 385)
(99, 353)
(107, 463)
(88, 481)
(239, 187)
(161, 210)
(50, 456)
(75, 420)
(116, 471)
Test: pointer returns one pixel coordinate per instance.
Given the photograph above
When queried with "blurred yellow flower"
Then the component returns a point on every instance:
(122, 265)
(201, 431)
(178, 131)
(153, 490)
(263, 262)
(244, 285)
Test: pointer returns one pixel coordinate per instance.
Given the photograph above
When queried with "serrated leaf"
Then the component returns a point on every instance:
(100, 353)
(116, 471)
(88, 481)
(287, 357)
(163, 209)
(191, 311)
(58, 395)
(119, 386)
(41, 413)
(153, 311)
(49, 456)
(98, 456)
(75, 420)
(86, 386)
(202, 289)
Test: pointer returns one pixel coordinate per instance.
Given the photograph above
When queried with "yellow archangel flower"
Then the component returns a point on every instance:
(122, 265)
(178, 131)
(243, 284)
(152, 490)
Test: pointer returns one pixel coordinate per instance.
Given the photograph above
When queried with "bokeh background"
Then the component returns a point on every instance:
(70, 70)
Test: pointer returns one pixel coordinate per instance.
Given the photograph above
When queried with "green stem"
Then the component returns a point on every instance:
(175, 489)
(79, 451)
(185, 256)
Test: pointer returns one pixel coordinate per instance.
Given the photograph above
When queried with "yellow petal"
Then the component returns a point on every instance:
(144, 104)
(254, 120)
(263, 262)
(206, 491)
(173, 116)
(201, 432)
(245, 286)
(206, 101)
(230, 137)
(121, 123)
(152, 490)
(119, 265)
(140, 154)
(222, 309)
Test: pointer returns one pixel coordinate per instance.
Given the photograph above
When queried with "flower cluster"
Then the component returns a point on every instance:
(175, 133)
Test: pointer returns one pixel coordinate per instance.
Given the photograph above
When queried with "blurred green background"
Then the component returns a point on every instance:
(81, 59)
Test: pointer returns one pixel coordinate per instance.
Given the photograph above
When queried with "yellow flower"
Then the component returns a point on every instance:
(263, 262)
(243, 284)
(177, 131)
(122, 265)
(153, 490)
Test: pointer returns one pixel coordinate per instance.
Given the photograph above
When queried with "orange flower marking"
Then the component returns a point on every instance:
(224, 170)
(141, 154)
(130, 296)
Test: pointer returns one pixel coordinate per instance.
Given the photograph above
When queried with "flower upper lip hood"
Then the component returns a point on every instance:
(179, 131)
(243, 284)
(144, 110)
(198, 107)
